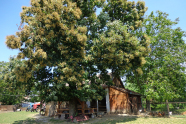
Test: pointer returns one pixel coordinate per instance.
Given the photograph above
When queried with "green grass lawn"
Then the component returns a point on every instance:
(16, 117)
(27, 117)
(178, 119)
(146, 121)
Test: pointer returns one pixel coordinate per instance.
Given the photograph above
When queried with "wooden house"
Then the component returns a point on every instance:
(117, 100)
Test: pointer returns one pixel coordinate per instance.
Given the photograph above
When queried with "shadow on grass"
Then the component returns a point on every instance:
(119, 121)
(54, 121)
(39, 121)
(27, 121)
(91, 121)
(113, 120)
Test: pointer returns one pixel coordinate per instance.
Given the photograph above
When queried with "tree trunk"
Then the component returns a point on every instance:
(167, 107)
(72, 107)
(52, 109)
(148, 108)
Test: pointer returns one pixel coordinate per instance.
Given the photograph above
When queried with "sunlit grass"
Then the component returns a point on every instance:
(13, 117)
(146, 121)
(27, 117)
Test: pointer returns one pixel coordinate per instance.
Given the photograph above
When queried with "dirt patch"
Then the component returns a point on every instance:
(40, 118)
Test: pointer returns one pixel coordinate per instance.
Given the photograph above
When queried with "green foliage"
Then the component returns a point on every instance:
(163, 76)
(116, 47)
(118, 50)
(11, 91)
(64, 45)
(132, 86)
(128, 12)
(161, 107)
(55, 39)
(34, 99)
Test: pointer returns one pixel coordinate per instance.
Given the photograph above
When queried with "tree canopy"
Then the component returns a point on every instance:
(164, 72)
(117, 47)
(11, 91)
(64, 44)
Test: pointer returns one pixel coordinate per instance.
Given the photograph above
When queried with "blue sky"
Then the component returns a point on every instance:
(10, 16)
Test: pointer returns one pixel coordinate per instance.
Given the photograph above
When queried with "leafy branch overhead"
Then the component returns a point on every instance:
(64, 44)
(118, 50)
(164, 71)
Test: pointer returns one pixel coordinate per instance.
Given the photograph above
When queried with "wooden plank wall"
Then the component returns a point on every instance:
(118, 101)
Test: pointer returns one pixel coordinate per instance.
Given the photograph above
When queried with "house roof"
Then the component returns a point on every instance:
(115, 79)
(123, 90)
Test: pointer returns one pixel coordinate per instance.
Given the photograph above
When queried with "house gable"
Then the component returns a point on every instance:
(118, 83)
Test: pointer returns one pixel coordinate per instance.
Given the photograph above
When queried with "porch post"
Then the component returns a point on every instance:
(88, 103)
(107, 101)
(58, 107)
(97, 106)
(83, 107)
